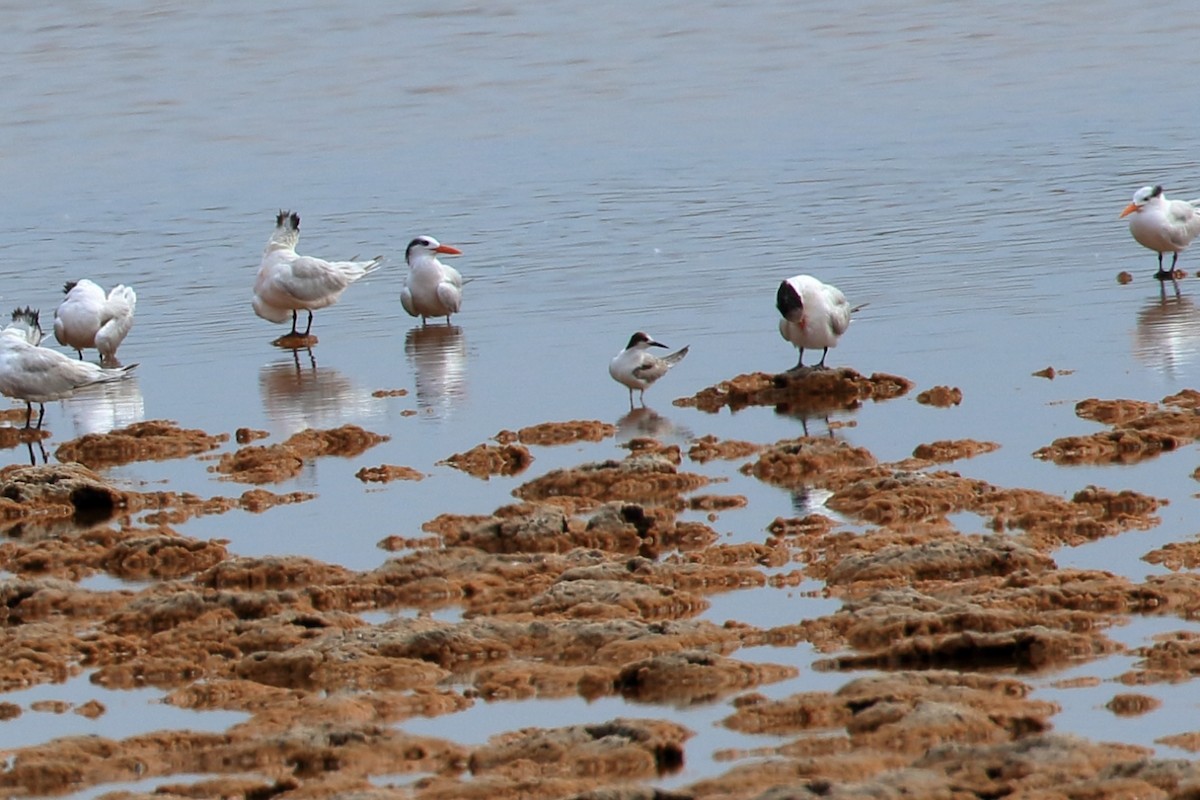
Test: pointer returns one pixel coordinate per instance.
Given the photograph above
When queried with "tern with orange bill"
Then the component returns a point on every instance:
(433, 289)
(1162, 225)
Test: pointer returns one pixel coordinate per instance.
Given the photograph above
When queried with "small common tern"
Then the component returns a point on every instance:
(637, 368)
(815, 314)
(288, 283)
(36, 374)
(89, 318)
(433, 289)
(1162, 225)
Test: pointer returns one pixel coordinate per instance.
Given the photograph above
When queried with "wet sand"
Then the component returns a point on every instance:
(590, 584)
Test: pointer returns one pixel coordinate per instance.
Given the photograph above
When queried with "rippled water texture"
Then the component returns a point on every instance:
(607, 168)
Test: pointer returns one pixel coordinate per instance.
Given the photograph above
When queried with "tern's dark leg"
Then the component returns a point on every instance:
(631, 399)
(821, 363)
(80, 354)
(41, 413)
(1162, 274)
(308, 327)
(800, 361)
(293, 322)
(28, 413)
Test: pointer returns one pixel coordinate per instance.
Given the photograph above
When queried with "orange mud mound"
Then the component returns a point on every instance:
(707, 448)
(386, 473)
(808, 390)
(485, 460)
(153, 440)
(1140, 430)
(553, 433)
(278, 462)
(640, 478)
(940, 396)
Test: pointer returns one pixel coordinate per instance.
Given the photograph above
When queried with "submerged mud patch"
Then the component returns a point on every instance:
(278, 462)
(597, 582)
(153, 440)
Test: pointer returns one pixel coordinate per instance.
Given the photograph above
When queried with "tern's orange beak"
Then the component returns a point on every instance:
(1129, 209)
(448, 250)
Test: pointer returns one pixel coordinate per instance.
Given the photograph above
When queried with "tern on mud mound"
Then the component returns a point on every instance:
(814, 314)
(288, 283)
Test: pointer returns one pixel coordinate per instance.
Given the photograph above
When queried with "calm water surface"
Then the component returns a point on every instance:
(959, 166)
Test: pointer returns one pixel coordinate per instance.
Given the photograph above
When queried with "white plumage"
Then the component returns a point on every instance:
(1162, 225)
(38, 374)
(288, 282)
(637, 368)
(433, 289)
(814, 314)
(87, 317)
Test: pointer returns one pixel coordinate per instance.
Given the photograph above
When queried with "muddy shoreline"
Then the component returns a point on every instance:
(590, 585)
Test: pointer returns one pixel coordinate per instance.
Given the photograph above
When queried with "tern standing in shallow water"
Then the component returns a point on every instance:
(637, 368)
(37, 374)
(1162, 225)
(89, 318)
(288, 282)
(815, 314)
(433, 289)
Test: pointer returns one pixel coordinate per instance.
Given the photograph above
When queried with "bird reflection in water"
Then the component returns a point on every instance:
(438, 355)
(807, 415)
(106, 406)
(811, 500)
(644, 421)
(1168, 333)
(297, 395)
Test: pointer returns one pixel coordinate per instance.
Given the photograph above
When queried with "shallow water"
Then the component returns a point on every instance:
(960, 167)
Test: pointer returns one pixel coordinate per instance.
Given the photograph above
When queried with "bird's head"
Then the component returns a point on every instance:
(642, 340)
(1141, 197)
(287, 231)
(789, 302)
(427, 246)
(25, 323)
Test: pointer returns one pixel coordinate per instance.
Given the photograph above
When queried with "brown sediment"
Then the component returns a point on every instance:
(808, 390)
(1113, 412)
(153, 440)
(941, 452)
(386, 473)
(940, 396)
(554, 433)
(390, 393)
(592, 585)
(12, 436)
(278, 462)
(1048, 372)
(1132, 705)
(485, 460)
(794, 462)
(709, 447)
(642, 478)
(1140, 430)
